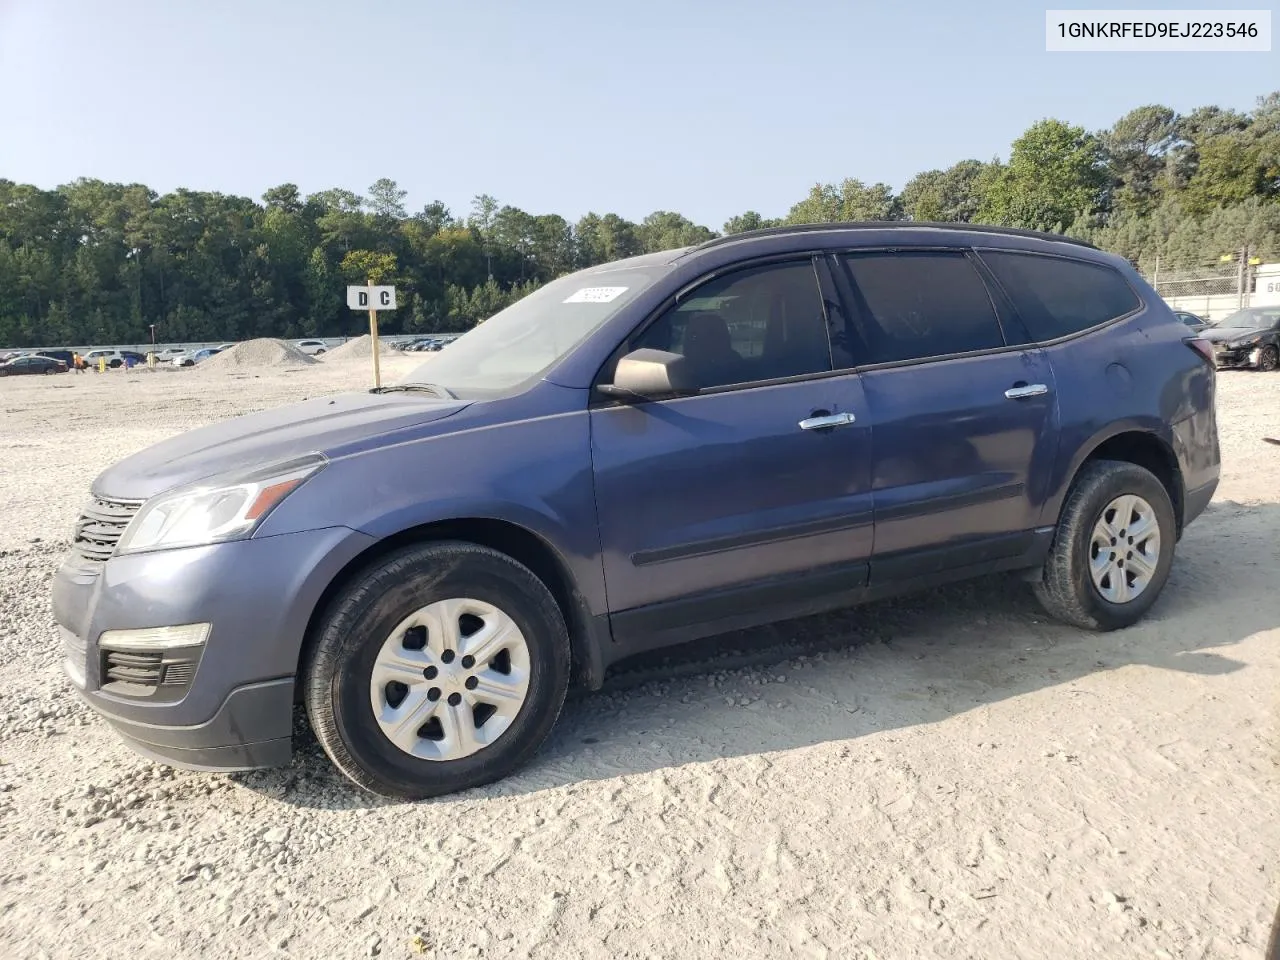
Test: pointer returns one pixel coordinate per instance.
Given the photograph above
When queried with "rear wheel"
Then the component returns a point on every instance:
(441, 667)
(1112, 549)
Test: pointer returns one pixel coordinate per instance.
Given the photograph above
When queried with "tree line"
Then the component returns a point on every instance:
(92, 262)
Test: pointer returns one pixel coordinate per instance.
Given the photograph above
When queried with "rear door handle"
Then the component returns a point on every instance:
(827, 421)
(1023, 390)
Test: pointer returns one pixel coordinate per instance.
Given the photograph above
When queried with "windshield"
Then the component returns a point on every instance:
(1252, 318)
(526, 339)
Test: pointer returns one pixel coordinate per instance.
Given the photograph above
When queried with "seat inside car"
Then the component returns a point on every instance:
(709, 350)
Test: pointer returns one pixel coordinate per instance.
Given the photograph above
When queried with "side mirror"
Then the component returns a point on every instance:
(651, 374)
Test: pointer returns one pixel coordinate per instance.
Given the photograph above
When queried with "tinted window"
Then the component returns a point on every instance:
(1058, 297)
(757, 324)
(918, 305)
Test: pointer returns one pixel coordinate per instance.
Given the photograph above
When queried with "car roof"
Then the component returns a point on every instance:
(907, 227)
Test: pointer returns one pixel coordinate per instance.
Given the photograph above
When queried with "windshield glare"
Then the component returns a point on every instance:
(520, 343)
(1250, 319)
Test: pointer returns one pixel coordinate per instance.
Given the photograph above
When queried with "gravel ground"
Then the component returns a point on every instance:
(947, 776)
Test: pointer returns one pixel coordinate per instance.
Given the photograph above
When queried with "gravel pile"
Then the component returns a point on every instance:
(264, 353)
(358, 348)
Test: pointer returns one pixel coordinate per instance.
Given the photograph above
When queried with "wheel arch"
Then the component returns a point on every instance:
(512, 539)
(1145, 447)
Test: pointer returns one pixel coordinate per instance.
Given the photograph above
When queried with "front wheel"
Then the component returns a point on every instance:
(1269, 359)
(441, 667)
(1112, 549)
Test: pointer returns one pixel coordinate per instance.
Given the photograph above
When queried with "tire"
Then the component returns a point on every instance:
(320, 351)
(1067, 588)
(1269, 359)
(359, 625)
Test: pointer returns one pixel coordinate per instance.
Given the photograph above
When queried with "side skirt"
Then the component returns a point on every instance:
(802, 594)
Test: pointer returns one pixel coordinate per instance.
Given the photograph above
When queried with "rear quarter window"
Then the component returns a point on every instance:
(1057, 297)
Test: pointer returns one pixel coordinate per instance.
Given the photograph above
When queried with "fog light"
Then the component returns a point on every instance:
(155, 638)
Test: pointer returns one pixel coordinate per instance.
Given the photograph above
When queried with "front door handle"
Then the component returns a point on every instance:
(1024, 390)
(827, 421)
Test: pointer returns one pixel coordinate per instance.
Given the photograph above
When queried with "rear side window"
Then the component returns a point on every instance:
(1057, 297)
(921, 305)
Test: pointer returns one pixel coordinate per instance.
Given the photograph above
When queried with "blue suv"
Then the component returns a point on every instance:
(641, 454)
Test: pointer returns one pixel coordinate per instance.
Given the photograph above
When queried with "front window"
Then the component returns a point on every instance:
(1251, 318)
(518, 344)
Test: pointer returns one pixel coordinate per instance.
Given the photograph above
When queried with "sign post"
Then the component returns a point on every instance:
(372, 298)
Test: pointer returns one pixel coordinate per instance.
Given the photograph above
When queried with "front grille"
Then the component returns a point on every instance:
(147, 668)
(100, 527)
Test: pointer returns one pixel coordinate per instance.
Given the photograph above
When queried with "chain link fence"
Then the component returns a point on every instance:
(1210, 288)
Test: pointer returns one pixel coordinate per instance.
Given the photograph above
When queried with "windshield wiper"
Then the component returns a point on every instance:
(433, 388)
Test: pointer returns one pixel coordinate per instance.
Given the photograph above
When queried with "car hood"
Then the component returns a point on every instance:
(1225, 334)
(323, 424)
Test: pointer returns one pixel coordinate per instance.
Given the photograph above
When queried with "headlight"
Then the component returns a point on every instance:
(1246, 342)
(222, 508)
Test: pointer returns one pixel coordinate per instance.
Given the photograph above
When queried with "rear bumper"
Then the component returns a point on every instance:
(1196, 501)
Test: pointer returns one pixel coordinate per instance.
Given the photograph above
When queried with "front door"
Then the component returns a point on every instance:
(707, 503)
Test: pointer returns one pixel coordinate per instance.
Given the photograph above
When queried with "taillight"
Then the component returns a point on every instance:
(1202, 347)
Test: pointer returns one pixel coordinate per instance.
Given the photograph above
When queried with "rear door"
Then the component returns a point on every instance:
(764, 474)
(963, 424)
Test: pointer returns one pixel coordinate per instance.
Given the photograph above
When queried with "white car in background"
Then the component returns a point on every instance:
(311, 347)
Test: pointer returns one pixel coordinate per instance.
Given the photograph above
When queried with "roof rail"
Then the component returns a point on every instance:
(890, 224)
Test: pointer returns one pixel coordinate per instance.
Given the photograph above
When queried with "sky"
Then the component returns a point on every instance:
(705, 107)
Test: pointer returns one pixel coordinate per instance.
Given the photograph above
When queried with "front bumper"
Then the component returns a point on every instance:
(1245, 358)
(232, 707)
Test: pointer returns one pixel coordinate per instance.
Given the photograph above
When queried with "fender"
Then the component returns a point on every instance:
(1065, 473)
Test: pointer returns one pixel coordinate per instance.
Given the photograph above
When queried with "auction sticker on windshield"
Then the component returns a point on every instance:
(595, 295)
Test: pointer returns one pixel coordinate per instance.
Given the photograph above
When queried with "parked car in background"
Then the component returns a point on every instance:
(22, 366)
(113, 357)
(1191, 320)
(66, 356)
(312, 347)
(193, 357)
(410, 345)
(767, 425)
(1249, 338)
